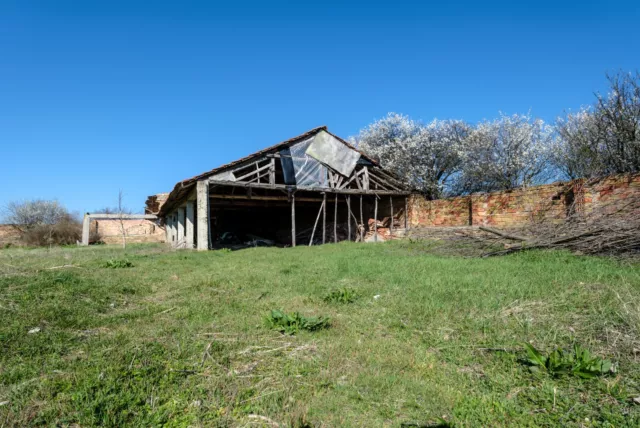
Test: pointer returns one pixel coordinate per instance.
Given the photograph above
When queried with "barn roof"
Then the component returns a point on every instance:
(182, 188)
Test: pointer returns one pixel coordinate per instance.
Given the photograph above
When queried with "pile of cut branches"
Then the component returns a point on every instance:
(611, 228)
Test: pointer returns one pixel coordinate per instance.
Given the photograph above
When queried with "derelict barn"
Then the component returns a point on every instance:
(312, 189)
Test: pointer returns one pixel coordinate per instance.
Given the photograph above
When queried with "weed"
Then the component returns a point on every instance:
(577, 362)
(118, 264)
(341, 295)
(292, 323)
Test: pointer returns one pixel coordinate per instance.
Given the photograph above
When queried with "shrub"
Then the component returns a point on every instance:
(341, 295)
(65, 232)
(118, 264)
(292, 323)
(578, 362)
(43, 223)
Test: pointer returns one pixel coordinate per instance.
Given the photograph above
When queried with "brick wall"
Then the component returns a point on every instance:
(154, 202)
(549, 203)
(137, 231)
(9, 234)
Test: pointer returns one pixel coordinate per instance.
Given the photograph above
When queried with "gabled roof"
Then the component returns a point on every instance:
(183, 187)
(273, 149)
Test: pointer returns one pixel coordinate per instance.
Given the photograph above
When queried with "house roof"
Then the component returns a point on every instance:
(183, 187)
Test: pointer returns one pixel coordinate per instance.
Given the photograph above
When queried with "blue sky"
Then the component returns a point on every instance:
(101, 96)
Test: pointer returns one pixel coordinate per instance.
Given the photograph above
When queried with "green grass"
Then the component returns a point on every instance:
(180, 338)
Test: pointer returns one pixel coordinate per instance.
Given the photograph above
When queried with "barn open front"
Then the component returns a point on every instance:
(269, 218)
(312, 189)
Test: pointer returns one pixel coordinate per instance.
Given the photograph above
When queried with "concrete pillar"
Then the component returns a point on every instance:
(191, 218)
(169, 229)
(181, 228)
(172, 230)
(86, 225)
(202, 208)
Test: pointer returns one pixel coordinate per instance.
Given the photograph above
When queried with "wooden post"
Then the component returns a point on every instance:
(391, 222)
(349, 216)
(335, 220)
(406, 213)
(324, 218)
(86, 226)
(361, 221)
(272, 172)
(202, 200)
(313, 232)
(191, 218)
(293, 219)
(375, 220)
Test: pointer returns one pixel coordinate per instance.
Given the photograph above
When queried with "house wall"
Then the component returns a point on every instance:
(548, 203)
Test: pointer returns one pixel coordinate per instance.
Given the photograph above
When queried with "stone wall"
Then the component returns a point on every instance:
(514, 208)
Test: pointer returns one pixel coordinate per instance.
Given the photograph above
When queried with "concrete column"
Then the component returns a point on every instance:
(202, 208)
(170, 229)
(86, 224)
(173, 229)
(181, 227)
(191, 218)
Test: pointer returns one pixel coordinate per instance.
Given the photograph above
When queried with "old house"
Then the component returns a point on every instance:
(310, 189)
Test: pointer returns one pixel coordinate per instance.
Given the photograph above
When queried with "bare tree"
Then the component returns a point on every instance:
(121, 211)
(618, 123)
(604, 139)
(36, 212)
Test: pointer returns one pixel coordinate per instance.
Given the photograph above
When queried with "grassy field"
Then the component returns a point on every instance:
(180, 338)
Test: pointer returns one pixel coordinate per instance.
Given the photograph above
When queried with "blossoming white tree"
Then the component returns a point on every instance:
(506, 153)
(576, 152)
(426, 157)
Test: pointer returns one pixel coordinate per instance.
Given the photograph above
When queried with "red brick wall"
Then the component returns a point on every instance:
(136, 231)
(9, 234)
(154, 202)
(549, 202)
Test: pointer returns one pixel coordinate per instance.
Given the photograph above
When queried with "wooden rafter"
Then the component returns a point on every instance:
(255, 171)
(311, 189)
(364, 179)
